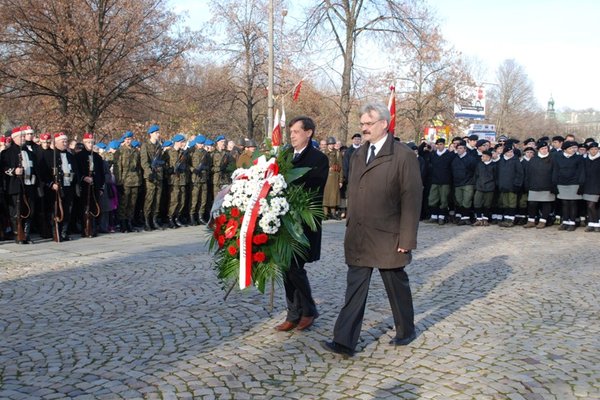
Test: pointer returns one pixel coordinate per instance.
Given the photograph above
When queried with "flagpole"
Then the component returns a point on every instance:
(271, 70)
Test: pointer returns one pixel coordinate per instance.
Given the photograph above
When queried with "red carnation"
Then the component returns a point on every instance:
(231, 228)
(259, 256)
(221, 219)
(232, 250)
(221, 240)
(235, 212)
(259, 239)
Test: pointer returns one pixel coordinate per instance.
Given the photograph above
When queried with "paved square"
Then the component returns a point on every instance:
(500, 313)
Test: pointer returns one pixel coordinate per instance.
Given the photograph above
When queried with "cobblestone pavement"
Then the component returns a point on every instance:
(500, 313)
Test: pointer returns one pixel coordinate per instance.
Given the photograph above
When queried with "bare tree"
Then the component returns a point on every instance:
(346, 22)
(512, 103)
(86, 55)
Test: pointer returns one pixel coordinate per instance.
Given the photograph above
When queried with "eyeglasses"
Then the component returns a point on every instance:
(369, 124)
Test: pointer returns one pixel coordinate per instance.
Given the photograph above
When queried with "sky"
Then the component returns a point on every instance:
(557, 42)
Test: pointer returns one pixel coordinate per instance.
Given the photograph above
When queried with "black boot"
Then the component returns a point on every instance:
(178, 222)
(147, 224)
(130, 227)
(64, 235)
(172, 224)
(123, 226)
(193, 220)
(157, 225)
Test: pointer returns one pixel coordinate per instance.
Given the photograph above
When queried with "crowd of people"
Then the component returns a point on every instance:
(57, 188)
(60, 187)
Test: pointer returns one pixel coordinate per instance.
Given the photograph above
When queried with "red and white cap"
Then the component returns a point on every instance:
(3, 139)
(26, 129)
(88, 135)
(60, 136)
(45, 136)
(17, 131)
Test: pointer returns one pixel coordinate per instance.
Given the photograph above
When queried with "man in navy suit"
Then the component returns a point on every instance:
(301, 306)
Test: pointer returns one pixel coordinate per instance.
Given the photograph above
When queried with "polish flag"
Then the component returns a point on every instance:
(297, 90)
(392, 108)
(276, 134)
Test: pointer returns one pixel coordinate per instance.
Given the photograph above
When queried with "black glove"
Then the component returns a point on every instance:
(580, 190)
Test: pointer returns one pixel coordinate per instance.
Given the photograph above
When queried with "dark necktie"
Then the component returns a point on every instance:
(296, 156)
(371, 154)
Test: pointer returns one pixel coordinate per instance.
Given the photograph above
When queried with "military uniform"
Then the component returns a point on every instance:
(128, 175)
(331, 196)
(153, 160)
(221, 165)
(91, 164)
(200, 164)
(177, 177)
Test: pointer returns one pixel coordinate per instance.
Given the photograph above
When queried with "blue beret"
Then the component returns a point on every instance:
(135, 143)
(101, 146)
(127, 134)
(114, 144)
(219, 138)
(153, 128)
(209, 142)
(200, 139)
(167, 143)
(315, 143)
(178, 138)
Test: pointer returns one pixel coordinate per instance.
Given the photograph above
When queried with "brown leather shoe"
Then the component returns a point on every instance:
(305, 323)
(286, 326)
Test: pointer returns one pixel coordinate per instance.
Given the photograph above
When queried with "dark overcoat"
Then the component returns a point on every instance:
(314, 179)
(384, 205)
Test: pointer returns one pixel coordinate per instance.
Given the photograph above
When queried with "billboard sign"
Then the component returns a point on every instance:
(470, 102)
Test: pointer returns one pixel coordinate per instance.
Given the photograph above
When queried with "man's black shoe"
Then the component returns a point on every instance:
(333, 347)
(403, 341)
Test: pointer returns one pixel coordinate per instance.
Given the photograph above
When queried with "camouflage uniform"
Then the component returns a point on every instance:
(177, 178)
(128, 174)
(200, 166)
(153, 160)
(222, 162)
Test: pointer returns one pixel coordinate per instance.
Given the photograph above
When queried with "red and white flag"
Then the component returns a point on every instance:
(392, 108)
(276, 134)
(297, 90)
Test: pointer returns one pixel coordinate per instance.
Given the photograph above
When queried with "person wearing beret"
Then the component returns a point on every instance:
(439, 173)
(176, 169)
(152, 158)
(91, 168)
(485, 185)
(539, 187)
(200, 166)
(64, 176)
(222, 165)
(591, 186)
(463, 176)
(128, 175)
(557, 142)
(510, 182)
(568, 178)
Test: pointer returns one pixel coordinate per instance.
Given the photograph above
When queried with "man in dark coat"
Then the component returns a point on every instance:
(301, 306)
(91, 169)
(384, 206)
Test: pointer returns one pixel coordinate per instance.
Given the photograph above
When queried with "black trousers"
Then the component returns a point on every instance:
(298, 295)
(349, 323)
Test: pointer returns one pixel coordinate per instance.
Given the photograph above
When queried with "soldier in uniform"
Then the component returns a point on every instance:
(331, 197)
(221, 164)
(128, 176)
(65, 175)
(21, 167)
(200, 165)
(152, 159)
(177, 177)
(246, 158)
(91, 167)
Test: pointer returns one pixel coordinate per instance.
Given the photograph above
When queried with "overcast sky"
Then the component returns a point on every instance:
(556, 41)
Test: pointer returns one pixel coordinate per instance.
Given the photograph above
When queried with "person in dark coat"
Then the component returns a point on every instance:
(463, 175)
(20, 165)
(591, 187)
(538, 184)
(91, 168)
(301, 307)
(384, 194)
(568, 177)
(510, 182)
(439, 174)
(485, 185)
